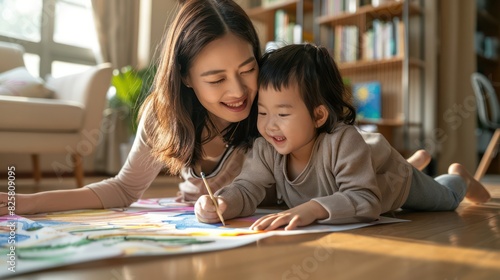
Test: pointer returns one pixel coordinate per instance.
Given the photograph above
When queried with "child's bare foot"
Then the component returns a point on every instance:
(420, 159)
(475, 191)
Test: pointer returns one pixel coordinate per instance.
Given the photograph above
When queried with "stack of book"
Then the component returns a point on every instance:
(267, 3)
(384, 40)
(285, 29)
(346, 43)
(337, 7)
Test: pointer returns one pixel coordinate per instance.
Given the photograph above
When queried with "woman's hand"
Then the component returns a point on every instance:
(205, 209)
(302, 215)
(20, 204)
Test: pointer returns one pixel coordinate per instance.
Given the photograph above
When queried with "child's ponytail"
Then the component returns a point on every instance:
(332, 88)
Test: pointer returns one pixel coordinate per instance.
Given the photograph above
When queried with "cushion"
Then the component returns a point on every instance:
(40, 114)
(19, 82)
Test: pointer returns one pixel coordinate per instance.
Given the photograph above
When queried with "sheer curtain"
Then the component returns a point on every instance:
(456, 103)
(117, 24)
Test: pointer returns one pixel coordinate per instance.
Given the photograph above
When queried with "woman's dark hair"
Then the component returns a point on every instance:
(317, 76)
(175, 118)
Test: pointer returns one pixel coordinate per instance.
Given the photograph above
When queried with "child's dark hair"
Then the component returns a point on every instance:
(317, 77)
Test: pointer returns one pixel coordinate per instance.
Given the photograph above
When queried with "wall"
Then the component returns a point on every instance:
(162, 13)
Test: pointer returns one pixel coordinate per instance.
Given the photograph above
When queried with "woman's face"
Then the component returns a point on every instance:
(224, 78)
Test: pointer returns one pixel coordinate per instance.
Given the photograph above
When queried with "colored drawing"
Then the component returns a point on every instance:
(148, 227)
(368, 100)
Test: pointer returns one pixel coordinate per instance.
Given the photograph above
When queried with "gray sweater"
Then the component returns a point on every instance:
(355, 176)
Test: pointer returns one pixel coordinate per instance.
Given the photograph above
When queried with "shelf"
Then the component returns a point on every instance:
(266, 13)
(385, 122)
(366, 65)
(393, 8)
(482, 59)
(486, 21)
(381, 122)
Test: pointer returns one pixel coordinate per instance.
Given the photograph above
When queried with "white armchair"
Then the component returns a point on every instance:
(69, 123)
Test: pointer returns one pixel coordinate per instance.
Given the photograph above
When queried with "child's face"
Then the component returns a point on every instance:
(224, 78)
(285, 122)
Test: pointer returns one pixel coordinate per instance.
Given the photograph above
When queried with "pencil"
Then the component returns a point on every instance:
(212, 198)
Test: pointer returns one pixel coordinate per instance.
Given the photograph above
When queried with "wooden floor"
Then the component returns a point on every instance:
(463, 244)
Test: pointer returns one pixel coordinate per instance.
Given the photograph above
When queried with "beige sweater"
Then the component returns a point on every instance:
(354, 176)
(141, 169)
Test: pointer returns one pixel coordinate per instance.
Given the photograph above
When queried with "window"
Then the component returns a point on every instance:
(74, 24)
(21, 19)
(59, 35)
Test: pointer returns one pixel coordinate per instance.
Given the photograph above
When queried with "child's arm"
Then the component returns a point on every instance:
(302, 215)
(248, 189)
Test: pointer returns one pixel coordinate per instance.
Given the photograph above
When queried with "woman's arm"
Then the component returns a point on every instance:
(49, 201)
(136, 175)
(133, 179)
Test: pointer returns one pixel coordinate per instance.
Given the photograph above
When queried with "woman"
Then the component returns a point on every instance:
(195, 119)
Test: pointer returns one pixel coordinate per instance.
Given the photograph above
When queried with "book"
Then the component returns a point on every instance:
(286, 31)
(280, 22)
(268, 3)
(346, 43)
(368, 100)
(378, 43)
(400, 29)
(351, 6)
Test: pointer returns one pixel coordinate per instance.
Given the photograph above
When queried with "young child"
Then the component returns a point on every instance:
(322, 167)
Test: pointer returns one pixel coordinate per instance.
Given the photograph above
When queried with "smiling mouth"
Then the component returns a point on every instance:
(235, 105)
(278, 138)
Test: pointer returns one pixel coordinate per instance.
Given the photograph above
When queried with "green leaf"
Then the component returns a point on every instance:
(132, 87)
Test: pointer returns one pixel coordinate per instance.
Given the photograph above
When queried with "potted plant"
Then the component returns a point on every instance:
(132, 87)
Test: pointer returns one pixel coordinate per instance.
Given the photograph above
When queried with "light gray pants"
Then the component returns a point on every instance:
(443, 193)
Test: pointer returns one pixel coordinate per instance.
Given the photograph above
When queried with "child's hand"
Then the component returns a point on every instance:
(205, 209)
(302, 215)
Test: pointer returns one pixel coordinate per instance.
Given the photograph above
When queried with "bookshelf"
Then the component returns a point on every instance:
(279, 17)
(372, 43)
(487, 40)
(400, 71)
